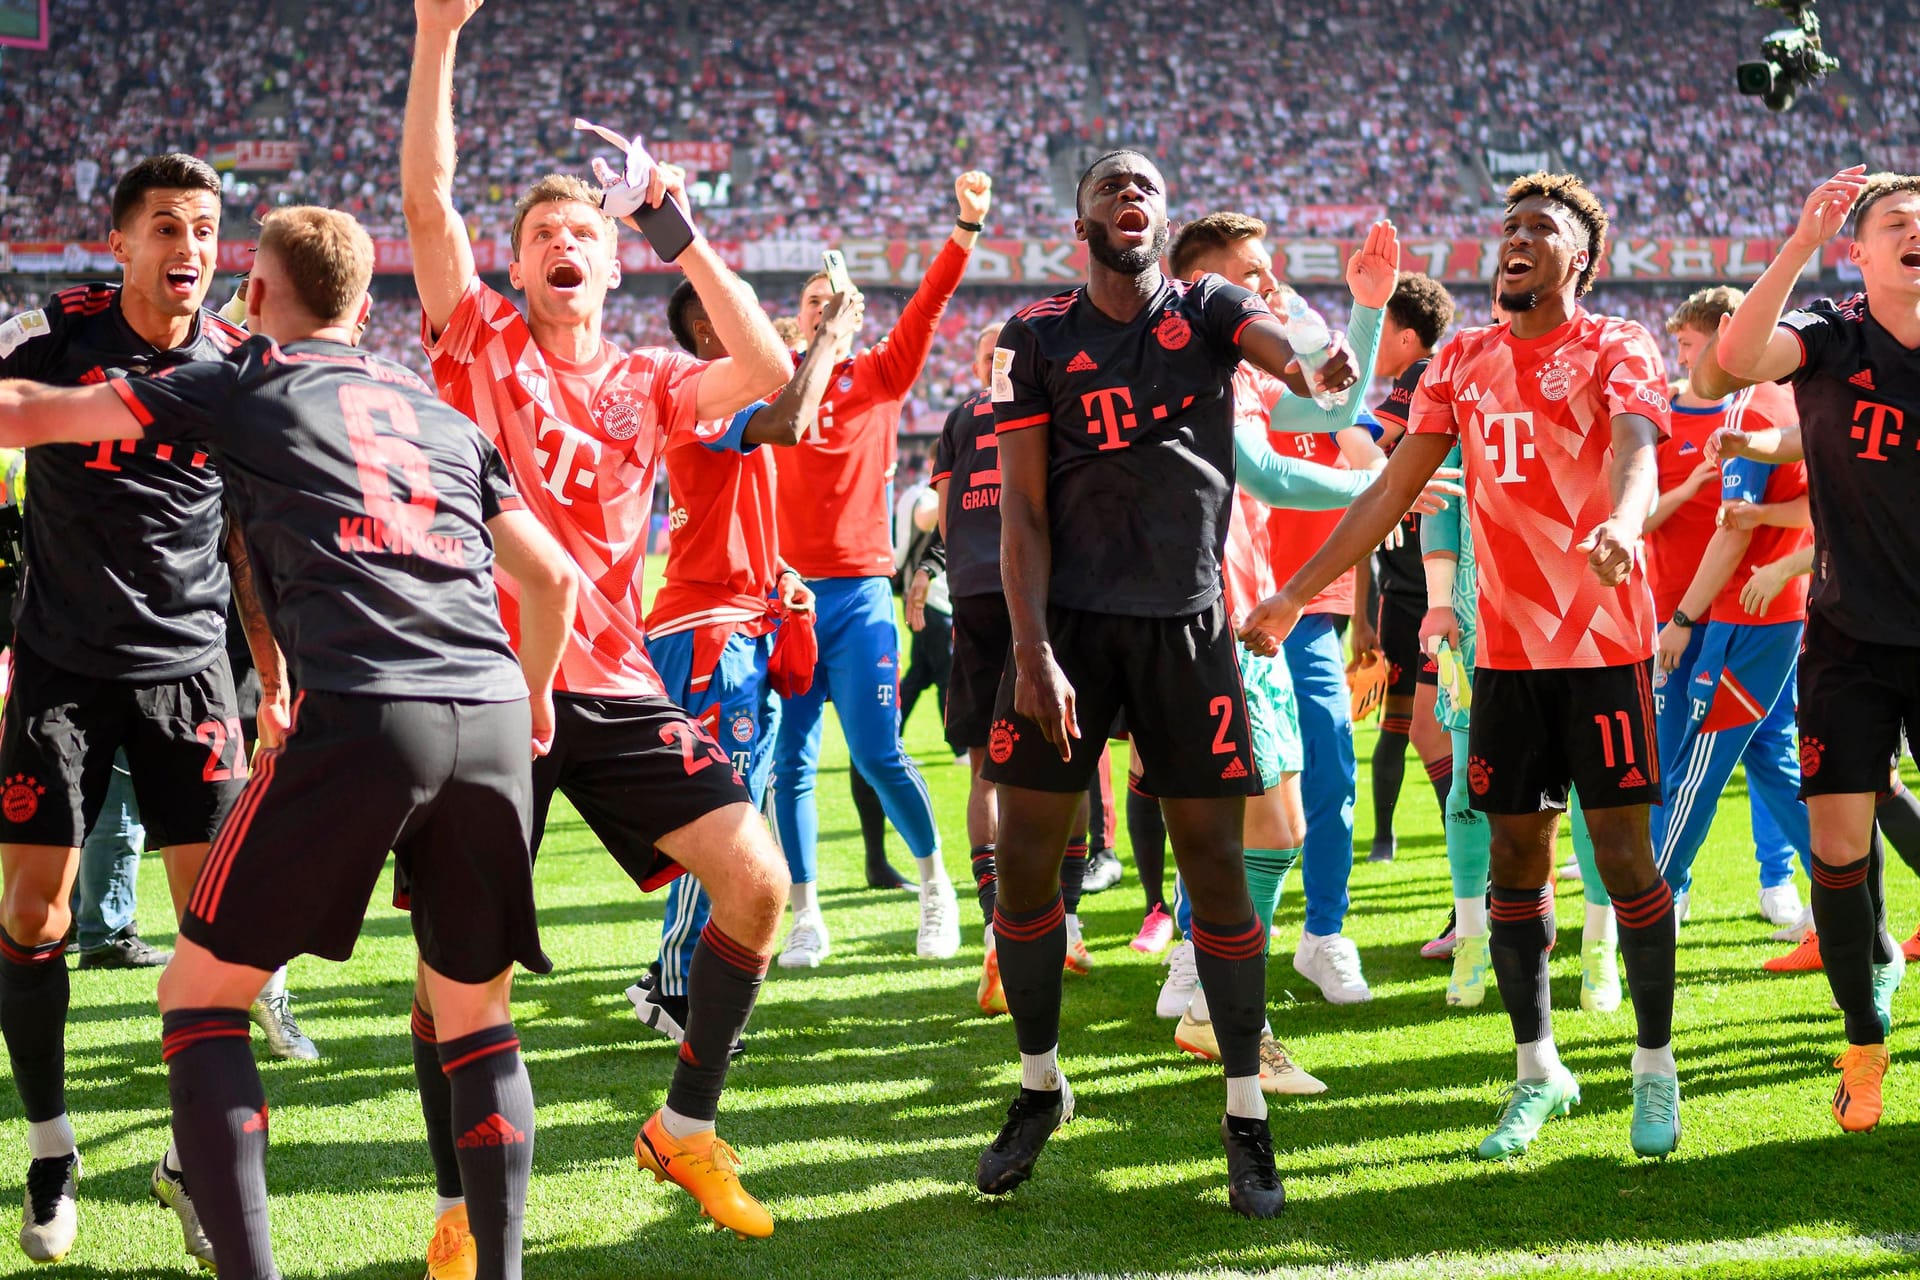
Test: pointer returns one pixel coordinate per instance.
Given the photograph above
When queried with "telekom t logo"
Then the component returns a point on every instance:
(1883, 426)
(559, 454)
(1102, 408)
(1507, 452)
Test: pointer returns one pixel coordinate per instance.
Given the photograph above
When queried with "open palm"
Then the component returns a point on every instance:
(1374, 268)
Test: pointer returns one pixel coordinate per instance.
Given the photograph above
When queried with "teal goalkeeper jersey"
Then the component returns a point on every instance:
(1450, 530)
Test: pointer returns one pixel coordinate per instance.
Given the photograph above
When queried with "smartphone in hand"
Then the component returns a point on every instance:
(837, 278)
(666, 228)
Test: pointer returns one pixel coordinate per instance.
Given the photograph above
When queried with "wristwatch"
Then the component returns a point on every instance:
(1680, 619)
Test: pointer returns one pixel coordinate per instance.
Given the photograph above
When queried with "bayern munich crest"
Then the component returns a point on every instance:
(619, 416)
(1556, 379)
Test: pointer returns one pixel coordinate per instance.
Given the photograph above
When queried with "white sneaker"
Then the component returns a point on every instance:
(48, 1219)
(1780, 904)
(1279, 1073)
(1798, 930)
(285, 1039)
(169, 1187)
(1569, 870)
(1183, 979)
(939, 921)
(807, 942)
(1332, 963)
(1682, 906)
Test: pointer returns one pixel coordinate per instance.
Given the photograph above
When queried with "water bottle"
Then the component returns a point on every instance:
(1308, 335)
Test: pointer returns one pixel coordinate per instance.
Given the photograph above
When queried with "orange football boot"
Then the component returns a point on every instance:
(706, 1169)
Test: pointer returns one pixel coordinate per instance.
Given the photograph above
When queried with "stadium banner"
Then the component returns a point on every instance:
(1053, 264)
(708, 157)
(1335, 218)
(24, 24)
(256, 155)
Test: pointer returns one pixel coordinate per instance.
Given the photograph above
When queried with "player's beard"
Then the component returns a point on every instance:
(1515, 303)
(1130, 261)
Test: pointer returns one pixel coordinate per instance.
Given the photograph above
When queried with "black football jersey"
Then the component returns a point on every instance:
(363, 499)
(1400, 569)
(1858, 392)
(968, 459)
(124, 579)
(1139, 422)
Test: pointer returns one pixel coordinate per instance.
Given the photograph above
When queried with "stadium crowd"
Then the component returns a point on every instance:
(1190, 487)
(842, 112)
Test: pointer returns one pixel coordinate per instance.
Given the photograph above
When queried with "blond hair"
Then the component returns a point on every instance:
(326, 254)
(1703, 310)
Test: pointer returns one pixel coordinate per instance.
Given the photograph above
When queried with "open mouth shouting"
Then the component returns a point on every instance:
(1515, 267)
(1911, 258)
(183, 279)
(1132, 224)
(565, 276)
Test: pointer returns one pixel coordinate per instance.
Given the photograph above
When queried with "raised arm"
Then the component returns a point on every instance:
(1752, 344)
(897, 361)
(784, 422)
(442, 256)
(756, 361)
(528, 552)
(32, 413)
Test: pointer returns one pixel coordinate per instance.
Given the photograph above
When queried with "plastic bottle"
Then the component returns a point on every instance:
(1308, 335)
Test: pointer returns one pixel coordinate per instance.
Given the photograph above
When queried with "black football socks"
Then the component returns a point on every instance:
(220, 1129)
(492, 1114)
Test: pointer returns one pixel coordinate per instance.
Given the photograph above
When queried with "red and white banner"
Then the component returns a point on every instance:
(1705, 260)
(256, 155)
(1335, 218)
(1042, 264)
(701, 157)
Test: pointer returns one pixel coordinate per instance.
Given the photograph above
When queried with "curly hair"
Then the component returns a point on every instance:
(1422, 304)
(1572, 195)
(1879, 187)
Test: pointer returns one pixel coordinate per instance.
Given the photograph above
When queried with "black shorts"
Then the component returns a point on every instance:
(1535, 732)
(185, 745)
(446, 786)
(636, 769)
(1399, 628)
(1855, 698)
(1176, 679)
(982, 639)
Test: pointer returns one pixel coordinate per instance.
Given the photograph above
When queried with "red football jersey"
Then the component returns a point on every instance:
(1675, 548)
(583, 443)
(1534, 417)
(1246, 567)
(722, 558)
(1756, 409)
(836, 523)
(1294, 536)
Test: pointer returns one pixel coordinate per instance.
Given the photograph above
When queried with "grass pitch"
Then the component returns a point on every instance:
(871, 1084)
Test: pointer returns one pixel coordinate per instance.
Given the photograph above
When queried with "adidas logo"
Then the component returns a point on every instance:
(1862, 379)
(1234, 769)
(1469, 396)
(1634, 778)
(494, 1131)
(1082, 363)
